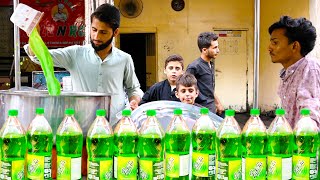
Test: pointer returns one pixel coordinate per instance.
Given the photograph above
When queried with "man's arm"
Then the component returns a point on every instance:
(132, 85)
(217, 102)
(134, 101)
(308, 94)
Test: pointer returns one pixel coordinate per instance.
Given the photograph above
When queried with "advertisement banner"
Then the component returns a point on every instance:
(62, 23)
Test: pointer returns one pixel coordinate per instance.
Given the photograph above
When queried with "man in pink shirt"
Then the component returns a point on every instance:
(291, 40)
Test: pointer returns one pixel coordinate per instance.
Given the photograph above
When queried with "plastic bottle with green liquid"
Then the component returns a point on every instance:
(228, 144)
(254, 144)
(203, 147)
(100, 148)
(280, 148)
(69, 141)
(13, 146)
(125, 148)
(39, 141)
(304, 157)
(151, 148)
(177, 148)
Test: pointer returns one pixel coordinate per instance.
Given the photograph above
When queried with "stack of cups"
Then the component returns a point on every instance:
(67, 83)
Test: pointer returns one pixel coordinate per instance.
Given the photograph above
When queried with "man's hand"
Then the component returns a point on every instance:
(219, 108)
(217, 102)
(133, 104)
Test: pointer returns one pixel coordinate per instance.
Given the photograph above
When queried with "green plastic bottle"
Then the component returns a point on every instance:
(304, 157)
(280, 148)
(177, 148)
(203, 147)
(151, 148)
(125, 148)
(229, 148)
(13, 148)
(39, 140)
(254, 152)
(69, 141)
(100, 148)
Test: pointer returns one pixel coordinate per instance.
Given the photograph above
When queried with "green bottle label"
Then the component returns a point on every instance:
(68, 168)
(254, 168)
(12, 169)
(203, 165)
(125, 167)
(150, 170)
(279, 168)
(304, 167)
(100, 169)
(177, 165)
(230, 169)
(39, 167)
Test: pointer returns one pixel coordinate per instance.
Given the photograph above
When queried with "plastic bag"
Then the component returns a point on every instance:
(41, 51)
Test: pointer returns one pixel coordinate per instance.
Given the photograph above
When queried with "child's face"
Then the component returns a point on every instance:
(187, 94)
(173, 70)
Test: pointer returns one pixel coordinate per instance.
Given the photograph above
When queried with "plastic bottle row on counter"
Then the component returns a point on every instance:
(150, 153)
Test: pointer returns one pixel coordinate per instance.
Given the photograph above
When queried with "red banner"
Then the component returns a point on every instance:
(62, 24)
(6, 2)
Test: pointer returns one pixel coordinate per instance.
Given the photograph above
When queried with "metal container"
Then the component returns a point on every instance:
(84, 103)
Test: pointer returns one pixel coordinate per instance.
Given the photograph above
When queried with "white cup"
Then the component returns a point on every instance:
(67, 83)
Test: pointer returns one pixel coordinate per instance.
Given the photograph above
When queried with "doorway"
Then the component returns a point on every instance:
(232, 69)
(141, 47)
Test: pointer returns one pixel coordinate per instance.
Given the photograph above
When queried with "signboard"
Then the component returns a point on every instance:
(62, 23)
(6, 2)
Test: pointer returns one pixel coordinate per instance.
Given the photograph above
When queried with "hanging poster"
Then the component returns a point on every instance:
(62, 23)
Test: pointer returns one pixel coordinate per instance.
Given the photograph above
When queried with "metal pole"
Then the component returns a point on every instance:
(256, 53)
(17, 73)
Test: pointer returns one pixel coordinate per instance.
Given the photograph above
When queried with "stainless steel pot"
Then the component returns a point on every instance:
(84, 103)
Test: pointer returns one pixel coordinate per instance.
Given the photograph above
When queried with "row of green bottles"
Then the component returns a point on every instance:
(13, 145)
(306, 144)
(254, 148)
(100, 148)
(203, 147)
(37, 142)
(151, 148)
(177, 148)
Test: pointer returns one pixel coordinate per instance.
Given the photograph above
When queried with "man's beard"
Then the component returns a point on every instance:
(102, 46)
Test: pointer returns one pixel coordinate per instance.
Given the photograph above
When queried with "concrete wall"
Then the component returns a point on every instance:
(176, 32)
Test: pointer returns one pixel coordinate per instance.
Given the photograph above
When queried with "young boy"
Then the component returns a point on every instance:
(186, 89)
(165, 90)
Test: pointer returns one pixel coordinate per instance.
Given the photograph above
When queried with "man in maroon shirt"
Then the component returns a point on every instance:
(291, 40)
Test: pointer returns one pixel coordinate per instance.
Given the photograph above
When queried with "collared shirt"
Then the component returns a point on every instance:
(300, 88)
(206, 82)
(159, 91)
(114, 75)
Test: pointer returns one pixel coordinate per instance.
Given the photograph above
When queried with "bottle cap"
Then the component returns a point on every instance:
(305, 112)
(280, 111)
(151, 112)
(255, 112)
(126, 112)
(13, 112)
(101, 112)
(204, 111)
(69, 111)
(177, 111)
(39, 111)
(230, 112)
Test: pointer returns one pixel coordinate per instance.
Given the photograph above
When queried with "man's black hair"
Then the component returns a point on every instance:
(205, 38)
(299, 29)
(108, 14)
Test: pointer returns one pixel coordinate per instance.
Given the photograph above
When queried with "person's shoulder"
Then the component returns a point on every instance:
(158, 85)
(194, 63)
(120, 53)
(312, 63)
